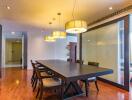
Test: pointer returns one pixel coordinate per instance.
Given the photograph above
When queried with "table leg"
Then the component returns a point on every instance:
(70, 87)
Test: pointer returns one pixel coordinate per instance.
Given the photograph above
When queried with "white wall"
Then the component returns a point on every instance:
(37, 47)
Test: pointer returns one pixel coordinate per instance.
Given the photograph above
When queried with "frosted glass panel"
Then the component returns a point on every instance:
(105, 45)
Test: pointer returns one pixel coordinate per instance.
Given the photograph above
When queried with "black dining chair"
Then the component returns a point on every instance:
(78, 61)
(92, 79)
(48, 83)
(93, 64)
(34, 78)
(69, 60)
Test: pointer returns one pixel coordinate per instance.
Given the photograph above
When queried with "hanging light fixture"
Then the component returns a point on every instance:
(76, 26)
(49, 38)
(59, 34)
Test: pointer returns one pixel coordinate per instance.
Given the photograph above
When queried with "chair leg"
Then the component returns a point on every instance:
(86, 88)
(62, 93)
(96, 86)
(38, 92)
(33, 81)
(35, 84)
(32, 78)
(41, 93)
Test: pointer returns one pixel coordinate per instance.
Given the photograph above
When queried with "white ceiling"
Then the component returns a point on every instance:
(40, 12)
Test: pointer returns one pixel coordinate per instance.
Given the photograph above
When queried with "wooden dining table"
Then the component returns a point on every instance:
(70, 73)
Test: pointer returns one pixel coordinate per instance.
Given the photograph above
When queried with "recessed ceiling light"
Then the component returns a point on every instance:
(110, 8)
(8, 7)
(12, 33)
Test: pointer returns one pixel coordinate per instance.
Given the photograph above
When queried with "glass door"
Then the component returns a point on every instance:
(105, 45)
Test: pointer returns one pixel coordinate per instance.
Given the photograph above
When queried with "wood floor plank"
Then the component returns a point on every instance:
(15, 85)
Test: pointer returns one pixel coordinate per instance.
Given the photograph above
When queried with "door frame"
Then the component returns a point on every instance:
(5, 40)
(0, 51)
(24, 49)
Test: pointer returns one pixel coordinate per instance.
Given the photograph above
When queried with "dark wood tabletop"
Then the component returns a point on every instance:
(73, 71)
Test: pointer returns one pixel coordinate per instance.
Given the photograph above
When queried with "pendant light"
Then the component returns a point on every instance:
(59, 34)
(49, 38)
(76, 26)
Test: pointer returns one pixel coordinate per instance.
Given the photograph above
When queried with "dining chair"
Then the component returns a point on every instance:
(93, 64)
(92, 79)
(34, 78)
(78, 61)
(69, 60)
(48, 83)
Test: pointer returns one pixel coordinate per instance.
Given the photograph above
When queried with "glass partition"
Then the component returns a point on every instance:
(105, 45)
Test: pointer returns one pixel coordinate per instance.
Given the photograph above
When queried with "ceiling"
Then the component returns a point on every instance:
(41, 12)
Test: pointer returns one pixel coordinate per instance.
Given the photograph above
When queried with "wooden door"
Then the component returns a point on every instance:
(17, 52)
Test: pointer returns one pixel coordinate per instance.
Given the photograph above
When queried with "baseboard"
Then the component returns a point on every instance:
(113, 83)
(12, 66)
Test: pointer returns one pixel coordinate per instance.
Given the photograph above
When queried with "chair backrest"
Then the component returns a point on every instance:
(69, 60)
(78, 61)
(93, 64)
(33, 64)
(38, 72)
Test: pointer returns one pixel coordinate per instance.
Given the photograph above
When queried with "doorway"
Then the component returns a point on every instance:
(14, 49)
(13, 52)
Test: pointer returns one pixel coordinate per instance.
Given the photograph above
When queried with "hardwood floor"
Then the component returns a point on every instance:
(15, 85)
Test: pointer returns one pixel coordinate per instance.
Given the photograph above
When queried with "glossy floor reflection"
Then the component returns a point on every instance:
(15, 85)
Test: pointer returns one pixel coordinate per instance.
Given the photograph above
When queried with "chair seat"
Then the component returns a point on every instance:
(44, 74)
(41, 67)
(50, 82)
(91, 78)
